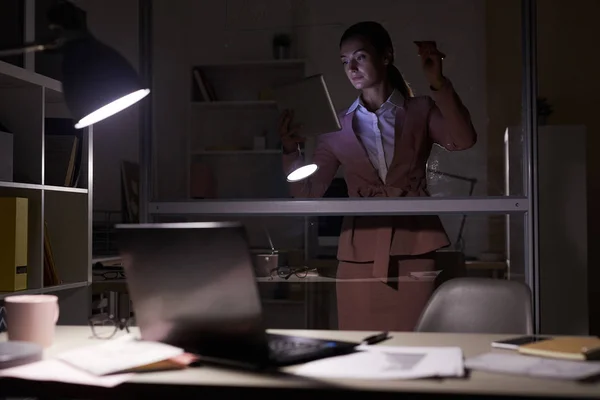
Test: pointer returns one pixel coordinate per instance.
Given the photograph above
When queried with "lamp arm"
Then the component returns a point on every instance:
(66, 21)
(30, 48)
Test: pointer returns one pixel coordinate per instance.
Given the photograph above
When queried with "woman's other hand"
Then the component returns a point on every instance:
(431, 62)
(288, 131)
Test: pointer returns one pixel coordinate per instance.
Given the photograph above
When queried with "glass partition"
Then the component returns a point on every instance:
(218, 150)
(216, 111)
(303, 284)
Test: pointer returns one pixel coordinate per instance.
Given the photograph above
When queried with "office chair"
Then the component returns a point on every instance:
(478, 305)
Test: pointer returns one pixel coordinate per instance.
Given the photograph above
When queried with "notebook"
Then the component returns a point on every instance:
(571, 348)
(311, 102)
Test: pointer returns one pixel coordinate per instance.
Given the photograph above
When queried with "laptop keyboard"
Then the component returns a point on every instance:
(281, 346)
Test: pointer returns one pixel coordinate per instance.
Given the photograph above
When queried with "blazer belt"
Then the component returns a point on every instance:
(383, 243)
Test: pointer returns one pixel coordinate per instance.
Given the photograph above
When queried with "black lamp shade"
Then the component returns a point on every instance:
(96, 76)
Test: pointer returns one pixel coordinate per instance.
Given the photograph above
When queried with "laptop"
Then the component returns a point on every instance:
(193, 285)
(311, 102)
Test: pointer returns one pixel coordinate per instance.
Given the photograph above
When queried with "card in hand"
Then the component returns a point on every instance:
(428, 45)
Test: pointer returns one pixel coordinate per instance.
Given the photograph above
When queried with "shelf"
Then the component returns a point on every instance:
(19, 292)
(33, 186)
(256, 63)
(64, 286)
(65, 189)
(49, 289)
(234, 152)
(13, 76)
(248, 103)
(18, 185)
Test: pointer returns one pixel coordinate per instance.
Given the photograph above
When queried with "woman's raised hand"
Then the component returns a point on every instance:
(288, 131)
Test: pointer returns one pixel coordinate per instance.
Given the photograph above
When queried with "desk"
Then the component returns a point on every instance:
(202, 382)
(497, 268)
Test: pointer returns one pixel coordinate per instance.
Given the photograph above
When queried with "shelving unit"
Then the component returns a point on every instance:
(26, 100)
(243, 99)
(221, 140)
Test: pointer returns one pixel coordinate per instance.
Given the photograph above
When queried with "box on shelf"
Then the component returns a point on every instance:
(6, 156)
(13, 243)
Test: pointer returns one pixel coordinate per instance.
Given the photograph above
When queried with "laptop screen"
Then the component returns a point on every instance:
(192, 285)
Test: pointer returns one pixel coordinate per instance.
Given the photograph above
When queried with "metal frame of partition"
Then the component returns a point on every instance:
(145, 54)
(525, 205)
(367, 206)
(529, 123)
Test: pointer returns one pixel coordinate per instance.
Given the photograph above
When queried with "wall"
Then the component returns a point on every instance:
(570, 83)
(566, 78)
(11, 27)
(189, 32)
(114, 22)
(503, 81)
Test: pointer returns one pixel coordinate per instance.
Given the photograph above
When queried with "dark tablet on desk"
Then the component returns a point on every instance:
(312, 105)
(515, 342)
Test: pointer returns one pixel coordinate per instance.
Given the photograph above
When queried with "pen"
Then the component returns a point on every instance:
(378, 338)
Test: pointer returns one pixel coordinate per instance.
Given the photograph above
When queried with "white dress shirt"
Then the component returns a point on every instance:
(376, 130)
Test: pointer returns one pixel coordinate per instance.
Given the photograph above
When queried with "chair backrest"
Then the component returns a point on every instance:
(479, 305)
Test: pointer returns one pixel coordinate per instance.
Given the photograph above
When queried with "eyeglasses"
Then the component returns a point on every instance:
(105, 326)
(110, 275)
(286, 273)
(113, 275)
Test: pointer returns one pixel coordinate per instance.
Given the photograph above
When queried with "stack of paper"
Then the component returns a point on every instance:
(540, 367)
(387, 362)
(125, 354)
(107, 364)
(58, 371)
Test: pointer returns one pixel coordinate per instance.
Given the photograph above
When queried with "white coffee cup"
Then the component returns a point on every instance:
(32, 318)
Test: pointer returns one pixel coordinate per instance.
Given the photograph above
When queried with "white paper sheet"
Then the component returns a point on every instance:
(387, 362)
(118, 355)
(533, 366)
(424, 274)
(58, 371)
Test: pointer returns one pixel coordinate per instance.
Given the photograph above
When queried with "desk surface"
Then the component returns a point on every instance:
(311, 277)
(209, 380)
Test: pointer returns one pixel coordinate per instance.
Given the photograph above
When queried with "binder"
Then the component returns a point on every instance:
(13, 243)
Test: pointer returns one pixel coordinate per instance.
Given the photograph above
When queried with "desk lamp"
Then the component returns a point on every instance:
(97, 81)
(302, 172)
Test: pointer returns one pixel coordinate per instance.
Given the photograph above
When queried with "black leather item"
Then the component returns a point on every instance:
(478, 305)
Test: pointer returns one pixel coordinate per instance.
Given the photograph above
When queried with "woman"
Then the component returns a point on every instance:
(385, 141)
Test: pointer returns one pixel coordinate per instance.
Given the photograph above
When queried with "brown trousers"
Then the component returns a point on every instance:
(373, 305)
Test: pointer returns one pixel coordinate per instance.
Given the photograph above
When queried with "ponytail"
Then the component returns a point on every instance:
(397, 81)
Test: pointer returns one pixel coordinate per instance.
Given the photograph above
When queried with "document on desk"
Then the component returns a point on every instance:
(125, 354)
(540, 367)
(388, 362)
(57, 371)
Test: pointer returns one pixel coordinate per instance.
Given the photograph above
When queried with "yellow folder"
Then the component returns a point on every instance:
(13, 243)
(568, 347)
